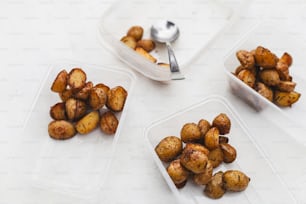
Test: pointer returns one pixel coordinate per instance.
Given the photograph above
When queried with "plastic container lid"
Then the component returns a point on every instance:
(200, 21)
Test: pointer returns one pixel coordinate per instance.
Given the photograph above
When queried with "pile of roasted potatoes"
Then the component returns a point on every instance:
(134, 39)
(269, 75)
(201, 148)
(83, 106)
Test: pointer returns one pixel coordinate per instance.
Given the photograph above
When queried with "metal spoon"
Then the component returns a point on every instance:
(167, 32)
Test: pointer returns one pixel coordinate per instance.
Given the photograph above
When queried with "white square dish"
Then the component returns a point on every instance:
(200, 21)
(265, 186)
(76, 166)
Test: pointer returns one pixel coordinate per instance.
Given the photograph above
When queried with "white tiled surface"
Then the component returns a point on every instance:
(35, 33)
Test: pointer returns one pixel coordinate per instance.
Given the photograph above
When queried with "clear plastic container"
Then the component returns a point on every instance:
(200, 21)
(266, 185)
(278, 39)
(76, 166)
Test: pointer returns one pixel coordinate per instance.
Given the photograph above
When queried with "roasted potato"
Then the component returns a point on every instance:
(264, 90)
(246, 59)
(61, 129)
(60, 82)
(190, 132)
(235, 180)
(136, 32)
(286, 99)
(75, 109)
(214, 188)
(97, 98)
(194, 160)
(265, 58)
(66, 94)
(229, 152)
(211, 139)
(84, 92)
(204, 126)
(147, 44)
(58, 111)
(116, 98)
(269, 77)
(284, 62)
(205, 177)
(196, 146)
(223, 123)
(88, 123)
(103, 86)
(216, 157)
(223, 139)
(129, 41)
(286, 86)
(247, 77)
(145, 54)
(169, 148)
(109, 123)
(76, 79)
(178, 173)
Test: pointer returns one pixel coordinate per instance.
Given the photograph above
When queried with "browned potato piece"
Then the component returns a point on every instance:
(196, 146)
(264, 90)
(269, 77)
(246, 59)
(136, 32)
(163, 64)
(190, 132)
(76, 79)
(223, 139)
(178, 173)
(129, 41)
(61, 129)
(58, 111)
(223, 123)
(211, 139)
(204, 178)
(169, 148)
(147, 44)
(284, 62)
(116, 98)
(75, 109)
(60, 82)
(145, 54)
(97, 98)
(103, 86)
(216, 157)
(204, 126)
(265, 58)
(84, 92)
(247, 77)
(194, 160)
(229, 152)
(109, 123)
(214, 189)
(286, 98)
(235, 180)
(286, 86)
(66, 94)
(88, 123)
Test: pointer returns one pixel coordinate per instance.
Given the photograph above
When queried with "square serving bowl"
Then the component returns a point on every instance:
(278, 39)
(76, 166)
(199, 23)
(266, 186)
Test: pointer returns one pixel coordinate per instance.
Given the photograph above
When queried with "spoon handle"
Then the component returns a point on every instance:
(174, 68)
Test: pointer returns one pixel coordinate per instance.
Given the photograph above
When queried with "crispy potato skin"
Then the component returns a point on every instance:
(88, 123)
(178, 173)
(84, 92)
(211, 139)
(223, 123)
(109, 123)
(97, 98)
(75, 109)
(190, 132)
(136, 32)
(169, 148)
(116, 98)
(77, 79)
(196, 146)
(60, 82)
(129, 41)
(61, 130)
(205, 177)
(194, 160)
(235, 180)
(246, 59)
(265, 58)
(58, 111)
(214, 188)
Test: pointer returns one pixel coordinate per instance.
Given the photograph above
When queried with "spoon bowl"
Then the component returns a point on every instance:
(166, 32)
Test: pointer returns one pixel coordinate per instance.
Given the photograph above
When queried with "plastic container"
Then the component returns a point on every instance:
(278, 39)
(200, 21)
(266, 186)
(76, 166)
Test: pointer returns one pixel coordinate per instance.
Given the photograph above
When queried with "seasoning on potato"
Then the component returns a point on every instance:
(265, 58)
(194, 160)
(246, 59)
(196, 146)
(216, 157)
(229, 152)
(61, 130)
(88, 123)
(136, 32)
(235, 180)
(116, 98)
(211, 139)
(214, 189)
(223, 123)
(75, 109)
(109, 123)
(169, 148)
(178, 173)
(60, 82)
(97, 98)
(190, 132)
(204, 177)
(76, 79)
(204, 126)
(58, 111)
